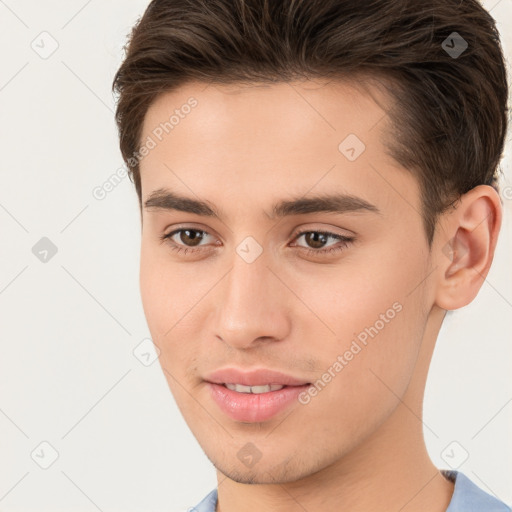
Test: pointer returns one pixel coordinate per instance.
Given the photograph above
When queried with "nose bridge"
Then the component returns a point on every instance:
(251, 302)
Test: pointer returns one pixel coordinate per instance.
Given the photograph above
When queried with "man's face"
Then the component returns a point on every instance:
(252, 293)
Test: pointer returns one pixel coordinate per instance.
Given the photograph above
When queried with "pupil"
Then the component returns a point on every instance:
(312, 239)
(195, 237)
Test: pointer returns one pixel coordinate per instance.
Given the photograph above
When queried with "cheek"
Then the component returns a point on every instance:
(153, 283)
(165, 308)
(165, 289)
(173, 295)
(375, 309)
(165, 301)
(362, 292)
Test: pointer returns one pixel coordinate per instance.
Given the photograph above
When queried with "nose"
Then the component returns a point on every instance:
(254, 305)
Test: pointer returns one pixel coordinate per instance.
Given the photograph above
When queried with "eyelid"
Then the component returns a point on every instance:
(301, 231)
(183, 227)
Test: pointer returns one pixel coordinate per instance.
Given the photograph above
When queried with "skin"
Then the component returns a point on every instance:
(358, 445)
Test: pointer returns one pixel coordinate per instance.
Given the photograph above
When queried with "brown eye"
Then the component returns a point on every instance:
(316, 239)
(316, 242)
(185, 239)
(190, 237)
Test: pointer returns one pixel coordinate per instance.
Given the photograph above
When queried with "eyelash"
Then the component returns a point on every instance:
(345, 241)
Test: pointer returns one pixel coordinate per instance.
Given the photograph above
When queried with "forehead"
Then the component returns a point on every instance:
(264, 139)
(285, 109)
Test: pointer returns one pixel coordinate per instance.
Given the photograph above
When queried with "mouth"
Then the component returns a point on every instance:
(254, 397)
(253, 379)
(256, 390)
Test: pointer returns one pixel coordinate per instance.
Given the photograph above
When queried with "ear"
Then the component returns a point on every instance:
(465, 245)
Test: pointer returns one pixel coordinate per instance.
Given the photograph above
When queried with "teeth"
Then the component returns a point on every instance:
(254, 389)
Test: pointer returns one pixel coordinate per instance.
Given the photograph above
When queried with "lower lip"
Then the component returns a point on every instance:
(250, 407)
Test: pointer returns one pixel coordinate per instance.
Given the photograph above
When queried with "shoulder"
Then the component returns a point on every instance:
(207, 504)
(468, 497)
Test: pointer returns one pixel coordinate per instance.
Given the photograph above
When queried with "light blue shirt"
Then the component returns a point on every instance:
(467, 497)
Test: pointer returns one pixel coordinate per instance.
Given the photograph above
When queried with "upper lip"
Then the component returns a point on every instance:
(259, 377)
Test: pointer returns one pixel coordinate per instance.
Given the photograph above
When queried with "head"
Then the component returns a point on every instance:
(318, 186)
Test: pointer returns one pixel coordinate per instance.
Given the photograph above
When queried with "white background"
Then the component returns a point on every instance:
(68, 327)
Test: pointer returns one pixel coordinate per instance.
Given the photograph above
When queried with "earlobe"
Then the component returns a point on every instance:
(464, 259)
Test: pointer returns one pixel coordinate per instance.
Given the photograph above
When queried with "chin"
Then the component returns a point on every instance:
(263, 474)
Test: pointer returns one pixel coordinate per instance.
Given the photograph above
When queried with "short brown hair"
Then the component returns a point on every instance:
(450, 111)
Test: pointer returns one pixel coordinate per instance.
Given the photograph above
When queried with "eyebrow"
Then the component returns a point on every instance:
(164, 199)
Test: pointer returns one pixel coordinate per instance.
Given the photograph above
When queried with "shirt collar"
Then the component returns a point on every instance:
(467, 497)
